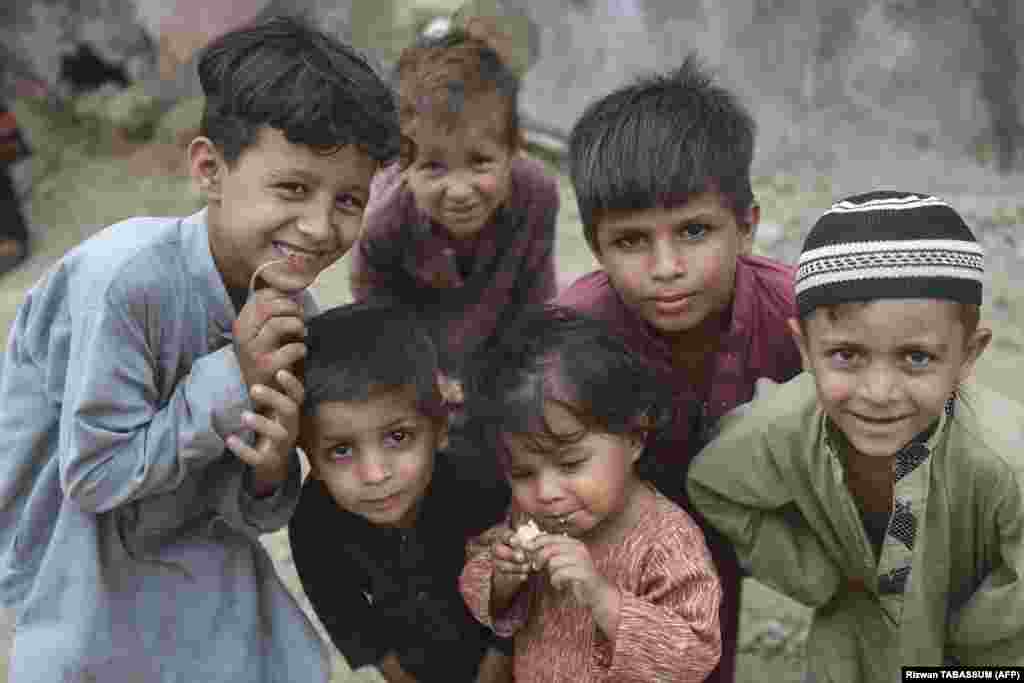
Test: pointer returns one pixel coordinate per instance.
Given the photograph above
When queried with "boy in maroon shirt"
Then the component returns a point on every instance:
(661, 169)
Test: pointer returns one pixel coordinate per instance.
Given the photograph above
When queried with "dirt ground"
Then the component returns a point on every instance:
(83, 179)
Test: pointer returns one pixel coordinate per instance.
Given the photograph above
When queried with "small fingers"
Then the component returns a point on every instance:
(270, 428)
(244, 451)
(292, 386)
(283, 407)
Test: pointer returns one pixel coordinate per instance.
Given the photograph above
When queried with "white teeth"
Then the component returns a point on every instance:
(297, 253)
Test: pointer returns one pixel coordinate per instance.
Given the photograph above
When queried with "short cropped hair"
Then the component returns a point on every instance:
(658, 141)
(287, 75)
(553, 353)
(438, 75)
(359, 350)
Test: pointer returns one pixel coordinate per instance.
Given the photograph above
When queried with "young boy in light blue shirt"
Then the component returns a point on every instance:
(148, 399)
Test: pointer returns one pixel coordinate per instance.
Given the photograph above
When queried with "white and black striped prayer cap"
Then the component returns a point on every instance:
(889, 245)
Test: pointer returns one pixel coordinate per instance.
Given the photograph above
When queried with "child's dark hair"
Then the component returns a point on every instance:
(287, 75)
(659, 140)
(359, 350)
(438, 75)
(553, 353)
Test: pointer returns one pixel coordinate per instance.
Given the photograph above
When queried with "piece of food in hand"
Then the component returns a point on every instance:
(527, 532)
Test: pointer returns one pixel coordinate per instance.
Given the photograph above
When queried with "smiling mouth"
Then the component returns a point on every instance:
(879, 421)
(298, 255)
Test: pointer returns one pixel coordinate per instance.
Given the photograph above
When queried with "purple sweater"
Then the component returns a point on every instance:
(404, 256)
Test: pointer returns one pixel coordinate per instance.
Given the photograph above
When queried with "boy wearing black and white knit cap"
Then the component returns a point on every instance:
(881, 487)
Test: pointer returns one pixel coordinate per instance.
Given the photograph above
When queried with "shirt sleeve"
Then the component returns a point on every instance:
(236, 504)
(669, 630)
(738, 486)
(542, 285)
(118, 440)
(989, 629)
(376, 256)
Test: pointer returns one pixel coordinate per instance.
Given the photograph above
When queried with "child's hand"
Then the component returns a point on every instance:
(511, 566)
(569, 565)
(268, 336)
(275, 435)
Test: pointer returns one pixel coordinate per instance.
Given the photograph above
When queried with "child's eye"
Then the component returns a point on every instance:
(349, 202)
(628, 243)
(843, 357)
(293, 190)
(481, 160)
(432, 166)
(397, 437)
(518, 475)
(694, 231)
(341, 452)
(572, 465)
(918, 360)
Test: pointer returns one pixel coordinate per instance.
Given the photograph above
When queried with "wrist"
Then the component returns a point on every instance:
(265, 480)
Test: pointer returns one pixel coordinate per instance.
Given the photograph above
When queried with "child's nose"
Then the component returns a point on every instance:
(317, 224)
(373, 469)
(879, 383)
(667, 263)
(549, 489)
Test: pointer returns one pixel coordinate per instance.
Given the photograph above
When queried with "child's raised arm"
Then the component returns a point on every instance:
(739, 485)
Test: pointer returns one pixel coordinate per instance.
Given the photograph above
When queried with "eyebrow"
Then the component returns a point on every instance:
(644, 226)
(328, 435)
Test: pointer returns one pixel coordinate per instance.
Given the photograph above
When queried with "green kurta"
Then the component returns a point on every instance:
(948, 582)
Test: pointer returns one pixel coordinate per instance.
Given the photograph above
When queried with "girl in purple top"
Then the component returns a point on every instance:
(463, 227)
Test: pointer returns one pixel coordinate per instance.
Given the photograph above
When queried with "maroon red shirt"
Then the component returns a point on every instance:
(756, 343)
(465, 290)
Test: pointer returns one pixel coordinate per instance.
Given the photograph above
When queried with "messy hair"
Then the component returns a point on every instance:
(287, 75)
(657, 142)
(555, 354)
(438, 75)
(357, 351)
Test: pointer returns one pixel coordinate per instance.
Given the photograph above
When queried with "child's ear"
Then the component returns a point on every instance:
(206, 166)
(748, 228)
(976, 345)
(801, 342)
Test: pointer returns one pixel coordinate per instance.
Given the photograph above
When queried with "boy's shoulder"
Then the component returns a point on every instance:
(591, 294)
(987, 433)
(531, 178)
(768, 283)
(782, 414)
(132, 254)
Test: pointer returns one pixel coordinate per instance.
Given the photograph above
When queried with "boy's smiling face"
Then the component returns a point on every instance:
(376, 457)
(281, 200)
(461, 176)
(885, 369)
(674, 267)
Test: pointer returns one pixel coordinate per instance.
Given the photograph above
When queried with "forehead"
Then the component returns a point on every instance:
(707, 206)
(887, 323)
(273, 154)
(559, 420)
(336, 419)
(482, 121)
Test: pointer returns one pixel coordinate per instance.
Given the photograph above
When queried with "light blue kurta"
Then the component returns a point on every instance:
(128, 537)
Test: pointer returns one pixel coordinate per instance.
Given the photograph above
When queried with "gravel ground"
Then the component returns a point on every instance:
(83, 179)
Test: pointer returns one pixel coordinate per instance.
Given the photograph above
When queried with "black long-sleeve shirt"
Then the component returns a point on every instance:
(368, 583)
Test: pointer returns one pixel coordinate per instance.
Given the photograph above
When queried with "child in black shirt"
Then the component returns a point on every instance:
(379, 535)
